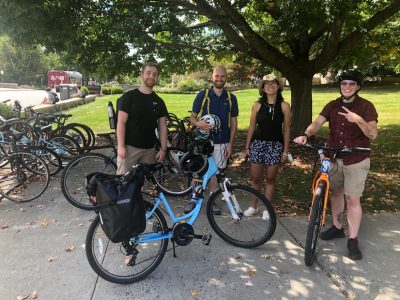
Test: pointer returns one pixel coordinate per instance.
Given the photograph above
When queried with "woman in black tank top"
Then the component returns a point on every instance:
(268, 136)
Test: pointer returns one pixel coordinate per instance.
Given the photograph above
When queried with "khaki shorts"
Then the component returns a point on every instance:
(351, 177)
(134, 156)
(219, 155)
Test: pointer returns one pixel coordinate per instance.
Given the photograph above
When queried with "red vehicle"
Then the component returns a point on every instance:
(57, 77)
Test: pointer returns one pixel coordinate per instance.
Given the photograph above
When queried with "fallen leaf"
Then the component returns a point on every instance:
(237, 257)
(52, 258)
(4, 226)
(266, 256)
(44, 223)
(34, 294)
(81, 225)
(40, 206)
(251, 272)
(22, 209)
(22, 297)
(7, 210)
(54, 220)
(195, 293)
(70, 248)
(65, 234)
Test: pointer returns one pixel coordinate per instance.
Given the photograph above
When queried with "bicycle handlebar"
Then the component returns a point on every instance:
(335, 149)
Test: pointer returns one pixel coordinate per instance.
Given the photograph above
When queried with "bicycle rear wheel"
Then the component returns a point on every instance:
(111, 260)
(314, 225)
(52, 160)
(23, 177)
(171, 179)
(248, 231)
(73, 178)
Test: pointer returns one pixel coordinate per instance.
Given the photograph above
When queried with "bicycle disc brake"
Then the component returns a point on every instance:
(183, 234)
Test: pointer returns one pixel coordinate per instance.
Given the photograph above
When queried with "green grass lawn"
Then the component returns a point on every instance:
(293, 188)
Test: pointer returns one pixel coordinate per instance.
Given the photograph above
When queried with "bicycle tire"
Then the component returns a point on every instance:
(76, 135)
(239, 232)
(314, 225)
(51, 158)
(170, 179)
(73, 178)
(90, 136)
(66, 147)
(23, 173)
(107, 259)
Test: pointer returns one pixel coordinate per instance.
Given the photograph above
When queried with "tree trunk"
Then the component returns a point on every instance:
(301, 89)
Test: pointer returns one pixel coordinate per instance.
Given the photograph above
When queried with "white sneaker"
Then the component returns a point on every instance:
(265, 215)
(250, 212)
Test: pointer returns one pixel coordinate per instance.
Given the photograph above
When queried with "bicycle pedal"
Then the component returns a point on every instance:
(206, 239)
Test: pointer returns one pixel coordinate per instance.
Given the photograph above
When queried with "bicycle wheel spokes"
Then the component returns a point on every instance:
(73, 179)
(124, 262)
(248, 231)
(24, 177)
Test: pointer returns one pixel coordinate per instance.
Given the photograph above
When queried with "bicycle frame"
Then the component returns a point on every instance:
(192, 216)
(322, 176)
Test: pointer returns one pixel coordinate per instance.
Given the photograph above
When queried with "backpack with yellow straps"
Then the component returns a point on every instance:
(207, 99)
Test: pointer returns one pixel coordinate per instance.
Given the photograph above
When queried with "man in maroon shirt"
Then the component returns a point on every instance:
(352, 123)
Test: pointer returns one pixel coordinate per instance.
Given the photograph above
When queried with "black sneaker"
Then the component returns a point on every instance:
(189, 206)
(354, 251)
(332, 233)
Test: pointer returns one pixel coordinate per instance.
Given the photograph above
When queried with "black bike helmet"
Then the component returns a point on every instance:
(352, 74)
(194, 164)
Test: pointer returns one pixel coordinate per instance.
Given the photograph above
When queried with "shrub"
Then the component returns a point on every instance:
(107, 90)
(191, 85)
(6, 111)
(85, 90)
(117, 90)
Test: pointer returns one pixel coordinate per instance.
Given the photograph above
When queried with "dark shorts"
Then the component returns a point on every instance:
(266, 152)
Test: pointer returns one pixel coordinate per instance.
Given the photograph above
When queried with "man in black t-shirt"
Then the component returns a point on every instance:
(141, 111)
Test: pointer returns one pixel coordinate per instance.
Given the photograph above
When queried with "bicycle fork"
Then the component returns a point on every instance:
(231, 201)
(323, 177)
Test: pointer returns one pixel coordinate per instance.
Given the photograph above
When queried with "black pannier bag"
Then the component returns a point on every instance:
(119, 202)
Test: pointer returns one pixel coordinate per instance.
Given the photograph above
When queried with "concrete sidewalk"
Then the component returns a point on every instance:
(42, 250)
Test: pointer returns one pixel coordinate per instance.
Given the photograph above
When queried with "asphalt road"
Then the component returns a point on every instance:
(25, 96)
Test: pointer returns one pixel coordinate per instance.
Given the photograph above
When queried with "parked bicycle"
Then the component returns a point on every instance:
(320, 191)
(135, 258)
(23, 175)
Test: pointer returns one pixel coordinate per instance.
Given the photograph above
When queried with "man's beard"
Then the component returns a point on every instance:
(149, 83)
(219, 84)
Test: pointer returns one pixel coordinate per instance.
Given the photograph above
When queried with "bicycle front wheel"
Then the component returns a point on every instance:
(314, 225)
(129, 261)
(23, 177)
(73, 178)
(248, 231)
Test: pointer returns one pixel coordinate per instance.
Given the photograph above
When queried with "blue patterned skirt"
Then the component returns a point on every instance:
(266, 152)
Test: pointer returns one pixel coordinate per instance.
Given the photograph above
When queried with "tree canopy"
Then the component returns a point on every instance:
(297, 38)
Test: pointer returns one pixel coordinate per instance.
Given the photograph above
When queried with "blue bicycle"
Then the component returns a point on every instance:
(134, 259)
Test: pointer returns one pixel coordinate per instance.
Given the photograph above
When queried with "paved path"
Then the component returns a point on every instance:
(25, 96)
(34, 238)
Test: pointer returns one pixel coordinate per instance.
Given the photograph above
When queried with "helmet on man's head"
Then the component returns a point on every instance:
(215, 123)
(352, 74)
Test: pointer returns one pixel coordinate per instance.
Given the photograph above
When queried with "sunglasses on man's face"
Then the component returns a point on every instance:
(349, 83)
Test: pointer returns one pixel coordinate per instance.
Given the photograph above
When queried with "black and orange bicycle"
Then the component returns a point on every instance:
(320, 193)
